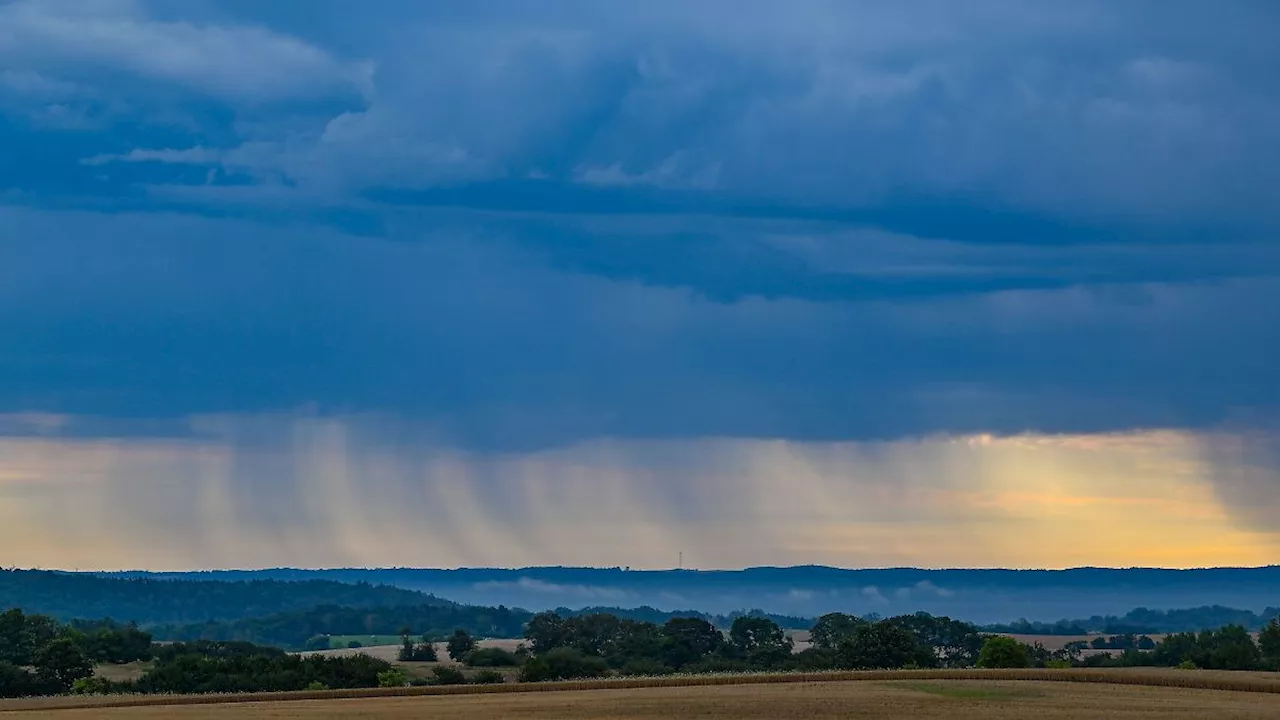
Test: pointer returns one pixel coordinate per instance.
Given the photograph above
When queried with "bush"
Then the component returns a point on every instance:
(317, 642)
(645, 667)
(492, 657)
(448, 675)
(91, 686)
(354, 644)
(1187, 665)
(315, 686)
(391, 678)
(717, 665)
(563, 664)
(488, 677)
(1000, 651)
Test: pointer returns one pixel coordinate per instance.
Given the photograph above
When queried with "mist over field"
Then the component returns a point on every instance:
(981, 596)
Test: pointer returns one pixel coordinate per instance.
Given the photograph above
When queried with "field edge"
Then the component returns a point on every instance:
(1185, 679)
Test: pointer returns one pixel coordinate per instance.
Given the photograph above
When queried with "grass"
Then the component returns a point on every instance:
(959, 700)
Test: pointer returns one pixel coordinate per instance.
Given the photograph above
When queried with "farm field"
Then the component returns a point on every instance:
(881, 700)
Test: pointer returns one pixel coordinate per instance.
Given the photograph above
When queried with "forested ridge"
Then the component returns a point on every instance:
(151, 601)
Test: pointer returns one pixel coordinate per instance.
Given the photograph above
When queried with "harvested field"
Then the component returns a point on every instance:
(883, 700)
(389, 652)
(1262, 684)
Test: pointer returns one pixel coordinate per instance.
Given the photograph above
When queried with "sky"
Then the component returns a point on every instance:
(529, 283)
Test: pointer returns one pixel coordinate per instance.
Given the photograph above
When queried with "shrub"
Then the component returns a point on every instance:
(645, 667)
(488, 677)
(1000, 651)
(563, 664)
(492, 657)
(1058, 664)
(354, 644)
(1187, 665)
(315, 686)
(391, 678)
(91, 686)
(448, 675)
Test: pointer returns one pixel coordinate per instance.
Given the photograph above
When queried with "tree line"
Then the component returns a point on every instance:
(309, 629)
(1144, 621)
(156, 602)
(40, 656)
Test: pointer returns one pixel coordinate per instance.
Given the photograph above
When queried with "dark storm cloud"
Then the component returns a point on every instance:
(523, 224)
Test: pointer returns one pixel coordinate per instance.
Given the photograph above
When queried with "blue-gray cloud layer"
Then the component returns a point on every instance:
(528, 223)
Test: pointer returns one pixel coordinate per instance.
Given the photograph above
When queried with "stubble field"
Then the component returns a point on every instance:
(1122, 695)
(892, 700)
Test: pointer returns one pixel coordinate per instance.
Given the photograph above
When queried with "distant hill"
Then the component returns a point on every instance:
(174, 600)
(978, 595)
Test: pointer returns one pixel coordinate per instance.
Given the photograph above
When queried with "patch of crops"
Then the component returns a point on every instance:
(1187, 679)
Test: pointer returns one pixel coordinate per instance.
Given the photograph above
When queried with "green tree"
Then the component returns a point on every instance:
(545, 631)
(1269, 644)
(1001, 651)
(61, 662)
(460, 645)
(563, 663)
(759, 641)
(689, 640)
(831, 628)
(882, 644)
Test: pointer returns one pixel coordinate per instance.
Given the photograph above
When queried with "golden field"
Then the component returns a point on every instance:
(957, 695)
(883, 700)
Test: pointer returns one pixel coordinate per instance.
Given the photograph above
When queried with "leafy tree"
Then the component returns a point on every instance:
(17, 682)
(759, 641)
(1000, 651)
(60, 663)
(1269, 644)
(563, 663)
(460, 645)
(942, 641)
(546, 631)
(689, 640)
(832, 628)
(883, 644)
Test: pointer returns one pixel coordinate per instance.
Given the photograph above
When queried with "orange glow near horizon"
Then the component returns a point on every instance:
(326, 495)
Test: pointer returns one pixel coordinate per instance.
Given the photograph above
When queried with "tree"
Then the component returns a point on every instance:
(61, 663)
(563, 663)
(882, 644)
(759, 641)
(831, 628)
(1001, 651)
(1269, 644)
(460, 645)
(545, 631)
(689, 640)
